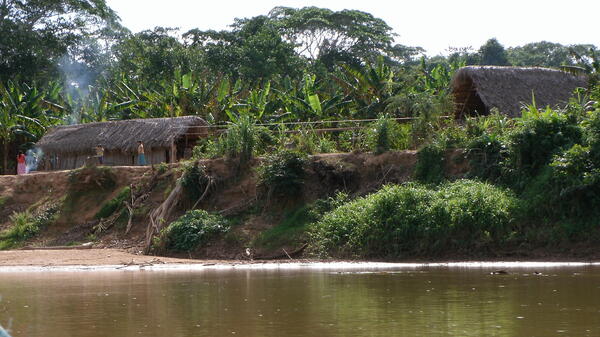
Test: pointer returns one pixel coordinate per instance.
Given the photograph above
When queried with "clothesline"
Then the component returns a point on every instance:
(306, 123)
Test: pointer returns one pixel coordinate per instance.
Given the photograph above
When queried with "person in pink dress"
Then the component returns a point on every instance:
(21, 166)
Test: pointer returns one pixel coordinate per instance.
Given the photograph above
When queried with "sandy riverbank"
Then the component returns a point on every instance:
(86, 257)
(117, 259)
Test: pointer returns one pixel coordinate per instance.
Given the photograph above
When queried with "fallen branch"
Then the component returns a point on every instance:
(208, 186)
(286, 253)
(141, 264)
(294, 253)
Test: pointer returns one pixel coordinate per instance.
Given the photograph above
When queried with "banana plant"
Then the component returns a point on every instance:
(438, 79)
(306, 103)
(20, 110)
(369, 86)
(255, 105)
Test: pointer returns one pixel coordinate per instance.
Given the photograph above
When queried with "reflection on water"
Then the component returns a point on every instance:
(417, 301)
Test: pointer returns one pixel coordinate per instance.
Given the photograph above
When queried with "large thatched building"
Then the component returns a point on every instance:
(165, 140)
(478, 89)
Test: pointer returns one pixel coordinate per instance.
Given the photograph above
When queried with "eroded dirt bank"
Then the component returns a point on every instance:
(79, 199)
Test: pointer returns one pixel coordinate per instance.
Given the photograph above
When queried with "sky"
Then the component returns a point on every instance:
(434, 25)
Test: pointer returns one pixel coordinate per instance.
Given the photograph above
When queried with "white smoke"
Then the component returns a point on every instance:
(77, 80)
(33, 157)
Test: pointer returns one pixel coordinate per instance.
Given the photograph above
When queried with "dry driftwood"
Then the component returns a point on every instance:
(106, 223)
(289, 255)
(159, 216)
(210, 183)
(140, 193)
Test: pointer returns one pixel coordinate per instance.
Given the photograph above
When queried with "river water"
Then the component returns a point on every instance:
(364, 300)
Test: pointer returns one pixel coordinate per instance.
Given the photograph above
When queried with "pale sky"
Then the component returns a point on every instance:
(432, 24)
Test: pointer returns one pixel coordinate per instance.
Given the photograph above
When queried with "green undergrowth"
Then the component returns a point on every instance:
(386, 134)
(26, 225)
(193, 180)
(414, 220)
(292, 229)
(114, 204)
(191, 231)
(4, 200)
(550, 158)
(282, 174)
(430, 164)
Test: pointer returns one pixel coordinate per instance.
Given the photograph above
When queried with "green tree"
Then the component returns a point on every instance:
(152, 56)
(323, 34)
(252, 50)
(35, 35)
(540, 54)
(492, 53)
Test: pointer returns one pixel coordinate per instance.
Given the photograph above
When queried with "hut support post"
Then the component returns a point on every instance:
(173, 155)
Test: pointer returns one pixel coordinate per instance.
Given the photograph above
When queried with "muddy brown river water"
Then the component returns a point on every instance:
(363, 300)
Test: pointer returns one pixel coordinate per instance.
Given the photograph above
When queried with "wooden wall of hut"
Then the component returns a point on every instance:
(111, 158)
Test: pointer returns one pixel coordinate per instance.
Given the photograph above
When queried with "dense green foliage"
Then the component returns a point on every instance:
(549, 157)
(192, 230)
(430, 164)
(410, 220)
(539, 137)
(291, 65)
(282, 174)
(386, 134)
(193, 180)
(26, 225)
(546, 169)
(296, 80)
(38, 38)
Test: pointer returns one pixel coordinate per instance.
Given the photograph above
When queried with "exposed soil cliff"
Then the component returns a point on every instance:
(83, 198)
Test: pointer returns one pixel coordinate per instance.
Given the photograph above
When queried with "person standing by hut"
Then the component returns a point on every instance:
(141, 155)
(21, 165)
(100, 154)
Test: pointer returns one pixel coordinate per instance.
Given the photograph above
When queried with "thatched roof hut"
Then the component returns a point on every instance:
(477, 89)
(165, 140)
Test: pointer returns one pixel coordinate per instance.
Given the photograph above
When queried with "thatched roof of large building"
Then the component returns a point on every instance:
(118, 135)
(480, 88)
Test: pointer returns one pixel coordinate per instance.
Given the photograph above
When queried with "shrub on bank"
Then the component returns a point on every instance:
(26, 225)
(193, 180)
(486, 154)
(386, 134)
(193, 229)
(282, 174)
(410, 220)
(430, 164)
(540, 136)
